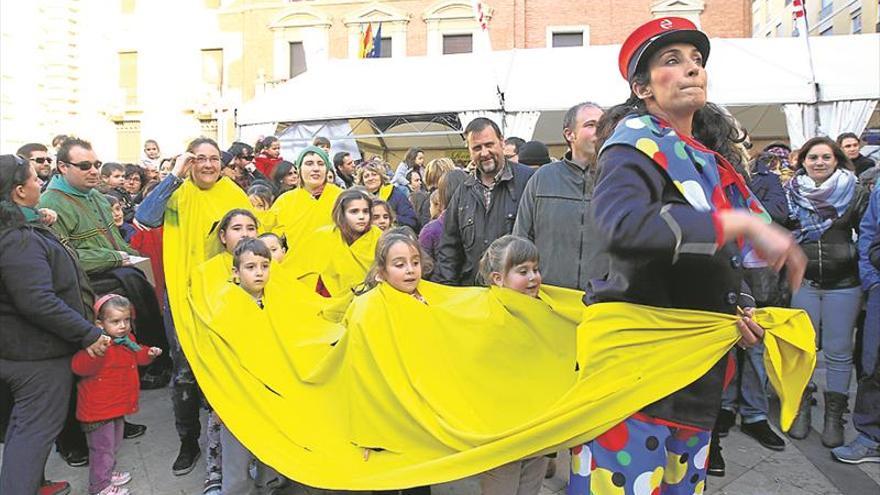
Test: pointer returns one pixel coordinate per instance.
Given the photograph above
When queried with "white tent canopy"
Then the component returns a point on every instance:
(360, 88)
(753, 77)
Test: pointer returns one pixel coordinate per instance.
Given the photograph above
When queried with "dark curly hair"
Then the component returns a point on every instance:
(14, 171)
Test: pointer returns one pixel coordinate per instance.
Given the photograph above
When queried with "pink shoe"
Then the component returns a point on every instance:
(119, 478)
(113, 490)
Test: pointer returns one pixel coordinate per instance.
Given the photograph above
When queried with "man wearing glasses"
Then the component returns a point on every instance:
(85, 223)
(38, 155)
(243, 162)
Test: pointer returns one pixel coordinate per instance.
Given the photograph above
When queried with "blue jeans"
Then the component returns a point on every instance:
(866, 413)
(833, 313)
(871, 333)
(748, 389)
(186, 397)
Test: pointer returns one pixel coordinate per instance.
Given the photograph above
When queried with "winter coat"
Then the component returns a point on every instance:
(862, 163)
(403, 209)
(430, 236)
(422, 205)
(874, 253)
(554, 213)
(869, 234)
(469, 227)
(45, 299)
(665, 253)
(768, 189)
(110, 385)
(833, 260)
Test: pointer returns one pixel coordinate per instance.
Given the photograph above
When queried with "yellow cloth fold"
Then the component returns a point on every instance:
(191, 215)
(384, 192)
(297, 214)
(474, 379)
(325, 253)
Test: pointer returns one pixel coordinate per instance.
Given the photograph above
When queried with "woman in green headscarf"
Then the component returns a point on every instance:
(299, 212)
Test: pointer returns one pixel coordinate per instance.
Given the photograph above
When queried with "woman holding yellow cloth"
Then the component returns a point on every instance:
(677, 221)
(299, 212)
(189, 202)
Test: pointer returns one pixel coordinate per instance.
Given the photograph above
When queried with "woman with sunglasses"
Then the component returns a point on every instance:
(45, 317)
(826, 204)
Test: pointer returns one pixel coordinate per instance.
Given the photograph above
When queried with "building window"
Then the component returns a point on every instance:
(128, 76)
(561, 40)
(128, 140)
(297, 59)
(385, 47)
(212, 69)
(458, 43)
(826, 8)
(827, 31)
(856, 21)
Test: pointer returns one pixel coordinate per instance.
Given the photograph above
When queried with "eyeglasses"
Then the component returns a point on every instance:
(85, 165)
(248, 158)
(42, 159)
(201, 159)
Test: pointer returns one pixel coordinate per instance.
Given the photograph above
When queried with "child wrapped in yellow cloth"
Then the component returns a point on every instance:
(439, 383)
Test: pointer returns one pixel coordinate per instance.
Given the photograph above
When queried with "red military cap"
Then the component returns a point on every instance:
(652, 35)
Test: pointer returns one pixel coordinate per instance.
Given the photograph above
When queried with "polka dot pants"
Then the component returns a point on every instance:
(637, 457)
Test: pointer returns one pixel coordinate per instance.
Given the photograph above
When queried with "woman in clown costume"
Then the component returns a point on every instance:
(679, 225)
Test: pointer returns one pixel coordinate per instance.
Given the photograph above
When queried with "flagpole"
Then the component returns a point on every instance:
(799, 14)
(486, 41)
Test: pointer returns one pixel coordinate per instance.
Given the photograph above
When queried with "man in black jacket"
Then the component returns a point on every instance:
(483, 208)
(852, 148)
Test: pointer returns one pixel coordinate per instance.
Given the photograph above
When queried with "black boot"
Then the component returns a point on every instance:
(186, 459)
(725, 421)
(716, 464)
(800, 428)
(832, 432)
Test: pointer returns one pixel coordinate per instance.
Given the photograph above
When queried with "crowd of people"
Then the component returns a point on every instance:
(658, 201)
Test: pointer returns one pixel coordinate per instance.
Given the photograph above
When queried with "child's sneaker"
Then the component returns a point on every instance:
(119, 478)
(113, 490)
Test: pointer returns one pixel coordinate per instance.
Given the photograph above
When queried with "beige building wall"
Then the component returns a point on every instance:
(122, 71)
(773, 18)
(40, 69)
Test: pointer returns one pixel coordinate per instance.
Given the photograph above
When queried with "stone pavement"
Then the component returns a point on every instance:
(805, 467)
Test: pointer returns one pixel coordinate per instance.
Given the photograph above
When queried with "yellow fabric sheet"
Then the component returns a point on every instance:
(325, 253)
(473, 380)
(191, 214)
(297, 214)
